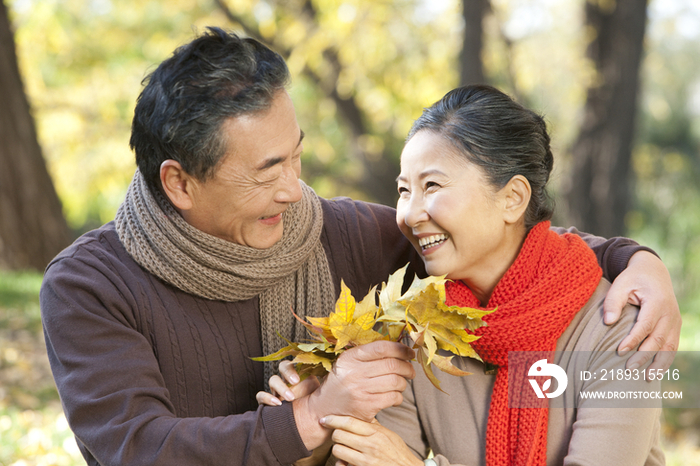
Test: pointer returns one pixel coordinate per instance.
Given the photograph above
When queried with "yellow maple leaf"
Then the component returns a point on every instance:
(391, 293)
(344, 306)
(456, 341)
(420, 312)
(367, 306)
(314, 359)
(354, 334)
(419, 285)
(318, 327)
(281, 354)
(422, 357)
(473, 316)
(444, 363)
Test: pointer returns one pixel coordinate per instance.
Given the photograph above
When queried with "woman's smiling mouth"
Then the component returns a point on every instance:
(432, 241)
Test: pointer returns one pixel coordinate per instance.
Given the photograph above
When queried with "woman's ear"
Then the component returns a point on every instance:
(516, 194)
(178, 185)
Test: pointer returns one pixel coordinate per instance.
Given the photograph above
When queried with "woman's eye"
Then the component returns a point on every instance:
(431, 184)
(402, 190)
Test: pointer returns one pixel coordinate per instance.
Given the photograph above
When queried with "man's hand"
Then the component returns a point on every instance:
(646, 283)
(364, 380)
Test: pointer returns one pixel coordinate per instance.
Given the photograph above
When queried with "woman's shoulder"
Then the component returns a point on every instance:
(588, 331)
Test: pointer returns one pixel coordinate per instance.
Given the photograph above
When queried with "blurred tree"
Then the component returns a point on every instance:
(599, 192)
(361, 71)
(666, 161)
(82, 62)
(32, 226)
(470, 62)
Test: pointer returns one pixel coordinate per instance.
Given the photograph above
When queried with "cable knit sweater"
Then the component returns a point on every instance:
(151, 375)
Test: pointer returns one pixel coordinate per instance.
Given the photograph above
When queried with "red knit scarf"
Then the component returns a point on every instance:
(550, 281)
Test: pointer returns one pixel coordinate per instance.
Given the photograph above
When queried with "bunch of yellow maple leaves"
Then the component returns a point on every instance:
(420, 313)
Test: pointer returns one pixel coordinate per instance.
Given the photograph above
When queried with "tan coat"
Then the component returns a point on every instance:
(453, 425)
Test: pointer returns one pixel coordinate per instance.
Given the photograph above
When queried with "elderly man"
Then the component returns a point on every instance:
(151, 320)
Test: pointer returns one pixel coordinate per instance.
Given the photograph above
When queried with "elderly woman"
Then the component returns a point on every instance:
(474, 205)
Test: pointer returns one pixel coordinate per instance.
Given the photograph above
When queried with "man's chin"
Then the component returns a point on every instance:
(268, 237)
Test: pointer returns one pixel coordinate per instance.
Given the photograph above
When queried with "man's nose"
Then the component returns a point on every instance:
(290, 191)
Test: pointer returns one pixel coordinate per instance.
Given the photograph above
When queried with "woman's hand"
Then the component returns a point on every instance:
(288, 387)
(363, 443)
(646, 283)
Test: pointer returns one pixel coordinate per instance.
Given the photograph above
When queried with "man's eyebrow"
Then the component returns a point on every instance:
(271, 162)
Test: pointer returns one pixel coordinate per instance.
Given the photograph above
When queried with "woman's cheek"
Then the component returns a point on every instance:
(445, 205)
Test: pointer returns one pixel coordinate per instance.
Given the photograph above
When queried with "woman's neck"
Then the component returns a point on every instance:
(484, 281)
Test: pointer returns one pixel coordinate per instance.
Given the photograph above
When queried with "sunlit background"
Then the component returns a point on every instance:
(82, 63)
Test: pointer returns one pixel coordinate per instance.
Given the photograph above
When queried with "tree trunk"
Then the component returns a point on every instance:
(599, 191)
(32, 227)
(471, 67)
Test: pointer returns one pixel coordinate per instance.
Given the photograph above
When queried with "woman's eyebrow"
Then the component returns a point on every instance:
(432, 171)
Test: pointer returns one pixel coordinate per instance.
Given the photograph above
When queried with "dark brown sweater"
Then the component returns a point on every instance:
(150, 375)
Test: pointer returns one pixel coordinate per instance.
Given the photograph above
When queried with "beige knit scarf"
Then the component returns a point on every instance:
(292, 274)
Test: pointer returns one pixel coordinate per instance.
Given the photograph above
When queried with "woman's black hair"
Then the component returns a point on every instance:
(500, 136)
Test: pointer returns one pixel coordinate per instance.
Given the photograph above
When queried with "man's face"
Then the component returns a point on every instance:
(256, 180)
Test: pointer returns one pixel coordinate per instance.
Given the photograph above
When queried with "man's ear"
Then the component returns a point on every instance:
(178, 185)
(516, 194)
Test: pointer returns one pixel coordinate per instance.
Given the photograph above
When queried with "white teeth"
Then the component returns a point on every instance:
(430, 241)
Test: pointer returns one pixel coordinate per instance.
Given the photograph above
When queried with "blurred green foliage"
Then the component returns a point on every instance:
(33, 428)
(83, 61)
(20, 291)
(666, 161)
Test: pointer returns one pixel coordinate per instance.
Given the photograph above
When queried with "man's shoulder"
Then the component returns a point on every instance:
(345, 209)
(95, 240)
(96, 250)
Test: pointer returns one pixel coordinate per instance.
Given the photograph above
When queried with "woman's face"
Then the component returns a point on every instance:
(450, 213)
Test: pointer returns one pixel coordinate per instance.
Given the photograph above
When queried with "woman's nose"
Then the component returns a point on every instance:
(415, 212)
